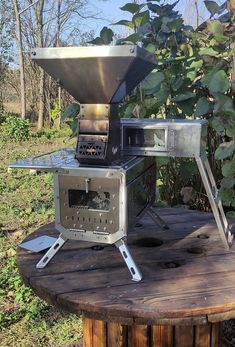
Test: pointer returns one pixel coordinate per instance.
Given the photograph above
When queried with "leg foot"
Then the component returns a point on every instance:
(157, 219)
(133, 268)
(50, 253)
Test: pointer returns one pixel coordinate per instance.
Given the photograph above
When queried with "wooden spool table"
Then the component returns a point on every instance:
(187, 290)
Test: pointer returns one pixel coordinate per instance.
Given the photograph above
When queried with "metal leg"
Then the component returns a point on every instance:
(51, 252)
(133, 268)
(156, 218)
(215, 201)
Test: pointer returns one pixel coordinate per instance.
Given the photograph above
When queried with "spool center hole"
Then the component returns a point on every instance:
(149, 242)
(171, 265)
(203, 236)
(195, 250)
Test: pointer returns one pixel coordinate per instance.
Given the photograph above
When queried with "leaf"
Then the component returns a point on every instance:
(226, 195)
(150, 48)
(223, 103)
(212, 7)
(129, 111)
(187, 106)
(203, 107)
(127, 23)
(175, 24)
(183, 97)
(163, 94)
(217, 125)
(141, 18)
(228, 182)
(106, 35)
(154, 8)
(74, 127)
(139, 111)
(215, 27)
(225, 150)
(208, 51)
(177, 83)
(217, 82)
(133, 38)
(97, 41)
(196, 64)
(152, 82)
(70, 112)
(228, 168)
(131, 7)
(187, 49)
(187, 169)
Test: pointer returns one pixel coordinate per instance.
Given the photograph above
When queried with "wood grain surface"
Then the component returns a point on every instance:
(188, 279)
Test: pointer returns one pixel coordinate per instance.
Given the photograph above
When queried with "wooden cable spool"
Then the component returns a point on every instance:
(188, 284)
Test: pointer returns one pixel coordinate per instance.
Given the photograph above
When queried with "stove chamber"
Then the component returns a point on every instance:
(99, 135)
(100, 204)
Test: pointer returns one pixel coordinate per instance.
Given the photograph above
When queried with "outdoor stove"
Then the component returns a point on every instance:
(109, 182)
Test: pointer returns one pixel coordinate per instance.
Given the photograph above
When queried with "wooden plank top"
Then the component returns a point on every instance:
(188, 277)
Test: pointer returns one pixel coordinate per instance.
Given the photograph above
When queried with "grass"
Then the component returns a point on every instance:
(26, 204)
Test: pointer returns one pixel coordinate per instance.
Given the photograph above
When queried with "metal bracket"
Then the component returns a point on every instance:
(132, 267)
(157, 219)
(215, 202)
(51, 252)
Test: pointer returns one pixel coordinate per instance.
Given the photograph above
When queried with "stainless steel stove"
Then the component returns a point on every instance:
(103, 187)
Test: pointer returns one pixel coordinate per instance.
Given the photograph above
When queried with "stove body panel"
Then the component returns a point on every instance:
(100, 204)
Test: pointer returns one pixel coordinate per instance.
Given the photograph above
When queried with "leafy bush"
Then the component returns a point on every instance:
(15, 128)
(192, 80)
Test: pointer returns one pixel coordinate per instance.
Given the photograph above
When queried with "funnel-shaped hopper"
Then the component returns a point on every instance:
(99, 74)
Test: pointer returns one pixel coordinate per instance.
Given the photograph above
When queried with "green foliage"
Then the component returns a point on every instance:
(106, 36)
(55, 112)
(70, 117)
(212, 7)
(191, 78)
(26, 204)
(15, 129)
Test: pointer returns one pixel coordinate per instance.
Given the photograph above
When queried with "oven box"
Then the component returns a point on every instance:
(99, 204)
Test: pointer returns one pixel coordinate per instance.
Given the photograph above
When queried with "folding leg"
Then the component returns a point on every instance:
(215, 201)
(133, 268)
(51, 252)
(157, 219)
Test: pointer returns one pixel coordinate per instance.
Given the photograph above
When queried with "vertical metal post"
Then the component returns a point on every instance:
(215, 202)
